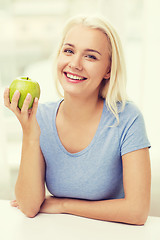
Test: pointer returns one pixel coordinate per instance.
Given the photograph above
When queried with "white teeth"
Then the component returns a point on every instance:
(74, 77)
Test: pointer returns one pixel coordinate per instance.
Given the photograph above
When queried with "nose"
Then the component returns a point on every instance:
(76, 63)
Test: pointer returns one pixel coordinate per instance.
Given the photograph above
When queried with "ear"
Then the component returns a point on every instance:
(107, 75)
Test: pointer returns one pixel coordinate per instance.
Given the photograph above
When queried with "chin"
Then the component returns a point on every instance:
(72, 89)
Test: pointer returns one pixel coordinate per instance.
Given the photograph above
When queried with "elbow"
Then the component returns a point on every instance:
(30, 207)
(139, 216)
(137, 211)
(30, 212)
(140, 220)
(31, 215)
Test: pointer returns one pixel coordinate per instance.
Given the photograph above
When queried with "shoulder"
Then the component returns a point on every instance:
(131, 119)
(45, 107)
(126, 114)
(47, 110)
(130, 108)
(132, 130)
(130, 112)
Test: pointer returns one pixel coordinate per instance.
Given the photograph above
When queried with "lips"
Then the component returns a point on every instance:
(74, 77)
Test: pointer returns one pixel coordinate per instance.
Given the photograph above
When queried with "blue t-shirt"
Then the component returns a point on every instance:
(95, 173)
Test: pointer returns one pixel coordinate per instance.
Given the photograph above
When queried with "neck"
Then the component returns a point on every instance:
(80, 109)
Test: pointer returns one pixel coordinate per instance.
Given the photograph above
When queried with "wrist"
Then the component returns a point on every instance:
(66, 205)
(30, 138)
(31, 132)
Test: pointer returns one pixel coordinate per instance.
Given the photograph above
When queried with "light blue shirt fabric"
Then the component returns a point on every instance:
(95, 173)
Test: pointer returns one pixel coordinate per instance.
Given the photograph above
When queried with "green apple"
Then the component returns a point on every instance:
(24, 85)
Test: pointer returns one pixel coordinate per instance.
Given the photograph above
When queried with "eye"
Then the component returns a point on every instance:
(91, 57)
(69, 51)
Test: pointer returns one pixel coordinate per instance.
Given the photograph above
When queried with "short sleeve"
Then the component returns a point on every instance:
(134, 135)
(45, 113)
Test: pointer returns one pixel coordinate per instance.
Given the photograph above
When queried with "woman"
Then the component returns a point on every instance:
(91, 147)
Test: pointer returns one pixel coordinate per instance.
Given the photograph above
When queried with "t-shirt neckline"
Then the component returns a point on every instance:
(83, 151)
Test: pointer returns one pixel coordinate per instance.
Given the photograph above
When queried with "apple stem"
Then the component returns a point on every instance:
(27, 78)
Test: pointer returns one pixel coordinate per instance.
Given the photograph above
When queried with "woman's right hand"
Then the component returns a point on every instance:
(26, 117)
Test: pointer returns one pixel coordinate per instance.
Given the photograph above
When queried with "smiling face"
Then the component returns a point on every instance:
(83, 61)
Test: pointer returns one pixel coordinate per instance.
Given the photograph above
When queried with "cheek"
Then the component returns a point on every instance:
(62, 61)
(98, 72)
(60, 64)
(59, 70)
(103, 69)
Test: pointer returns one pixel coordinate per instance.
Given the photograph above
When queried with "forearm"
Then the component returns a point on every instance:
(30, 189)
(116, 210)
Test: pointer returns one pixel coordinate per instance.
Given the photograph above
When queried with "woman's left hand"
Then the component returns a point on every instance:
(52, 205)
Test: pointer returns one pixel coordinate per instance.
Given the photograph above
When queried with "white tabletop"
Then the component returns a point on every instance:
(14, 225)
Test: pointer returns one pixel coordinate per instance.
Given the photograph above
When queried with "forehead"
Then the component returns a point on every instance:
(86, 37)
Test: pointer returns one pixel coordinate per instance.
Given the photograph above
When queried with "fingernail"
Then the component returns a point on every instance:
(36, 100)
(28, 96)
(6, 89)
(16, 92)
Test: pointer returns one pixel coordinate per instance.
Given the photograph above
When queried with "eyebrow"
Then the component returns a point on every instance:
(86, 50)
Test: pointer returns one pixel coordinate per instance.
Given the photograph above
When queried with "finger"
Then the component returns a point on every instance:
(26, 103)
(6, 98)
(14, 203)
(34, 107)
(14, 101)
(29, 111)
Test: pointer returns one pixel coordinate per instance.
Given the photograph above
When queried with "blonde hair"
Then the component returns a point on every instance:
(113, 90)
